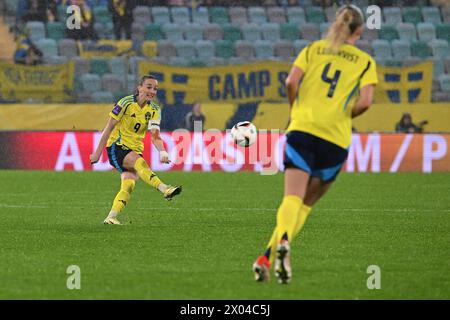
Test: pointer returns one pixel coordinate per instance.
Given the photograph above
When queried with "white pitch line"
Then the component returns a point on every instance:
(218, 209)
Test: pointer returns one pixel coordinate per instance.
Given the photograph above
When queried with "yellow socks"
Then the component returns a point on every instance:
(146, 174)
(122, 198)
(272, 246)
(303, 213)
(287, 216)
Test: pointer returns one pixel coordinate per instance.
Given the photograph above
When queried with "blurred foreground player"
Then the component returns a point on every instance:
(337, 84)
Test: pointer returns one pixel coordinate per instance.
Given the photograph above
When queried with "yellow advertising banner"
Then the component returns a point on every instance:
(50, 83)
(264, 81)
(405, 84)
(261, 81)
(105, 48)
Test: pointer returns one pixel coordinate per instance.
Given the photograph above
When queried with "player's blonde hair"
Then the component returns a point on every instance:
(348, 19)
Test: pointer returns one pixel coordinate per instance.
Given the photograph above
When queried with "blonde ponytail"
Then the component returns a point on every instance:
(347, 20)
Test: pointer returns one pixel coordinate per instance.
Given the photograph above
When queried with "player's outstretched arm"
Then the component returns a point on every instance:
(103, 140)
(364, 101)
(158, 143)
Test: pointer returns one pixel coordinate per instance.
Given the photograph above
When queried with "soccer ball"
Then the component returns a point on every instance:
(244, 133)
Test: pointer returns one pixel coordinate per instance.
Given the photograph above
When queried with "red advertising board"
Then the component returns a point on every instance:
(214, 151)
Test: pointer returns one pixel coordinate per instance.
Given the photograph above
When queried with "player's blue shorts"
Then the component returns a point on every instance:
(316, 156)
(116, 155)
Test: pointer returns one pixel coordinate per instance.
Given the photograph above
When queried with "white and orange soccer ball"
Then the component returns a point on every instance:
(244, 133)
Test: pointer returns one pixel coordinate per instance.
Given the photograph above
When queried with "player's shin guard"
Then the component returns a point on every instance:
(122, 198)
(146, 174)
(303, 213)
(287, 216)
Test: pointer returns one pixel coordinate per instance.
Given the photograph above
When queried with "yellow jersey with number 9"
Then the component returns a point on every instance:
(134, 122)
(328, 90)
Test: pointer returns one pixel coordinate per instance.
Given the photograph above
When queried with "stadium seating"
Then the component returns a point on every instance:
(138, 32)
(118, 66)
(438, 67)
(388, 32)
(99, 65)
(185, 49)
(315, 15)
(445, 14)
(365, 46)
(296, 15)
(102, 97)
(257, 15)
(172, 31)
(264, 49)
(166, 48)
(154, 32)
(276, 15)
(440, 48)
(200, 16)
(193, 32)
(37, 30)
(270, 31)
(401, 49)
(284, 49)
(310, 31)
(48, 47)
(370, 34)
(90, 82)
(219, 15)
(406, 31)
(289, 31)
(412, 15)
(251, 32)
(238, 15)
(330, 13)
(426, 31)
(323, 28)
(224, 49)
(82, 65)
(239, 34)
(205, 49)
(444, 80)
(55, 30)
(231, 33)
(112, 82)
(102, 14)
(420, 49)
(381, 49)
(392, 15)
(142, 15)
(443, 32)
(161, 15)
(431, 15)
(180, 15)
(244, 49)
(67, 48)
(213, 32)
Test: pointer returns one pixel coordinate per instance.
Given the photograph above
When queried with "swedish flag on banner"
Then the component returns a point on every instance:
(405, 84)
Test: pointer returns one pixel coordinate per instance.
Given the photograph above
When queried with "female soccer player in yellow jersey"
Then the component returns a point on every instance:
(123, 136)
(337, 84)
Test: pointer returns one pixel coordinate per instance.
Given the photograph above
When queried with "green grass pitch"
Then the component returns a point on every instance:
(202, 244)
